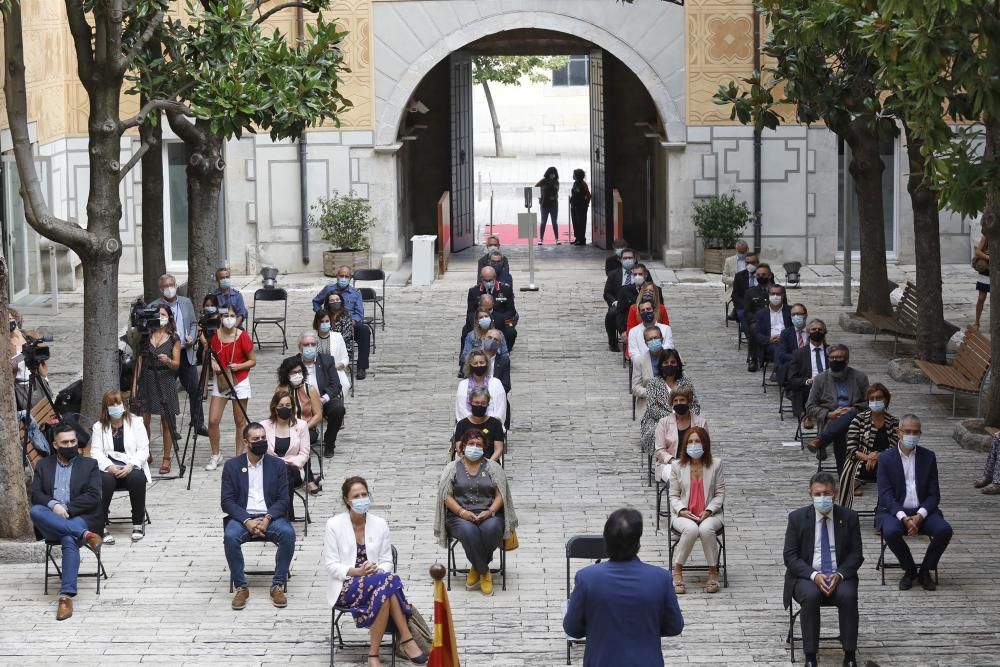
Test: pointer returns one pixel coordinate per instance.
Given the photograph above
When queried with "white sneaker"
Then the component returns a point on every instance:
(138, 532)
(108, 538)
(213, 462)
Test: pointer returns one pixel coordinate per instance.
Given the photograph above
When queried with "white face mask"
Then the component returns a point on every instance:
(775, 299)
(638, 280)
(295, 379)
(229, 322)
(169, 292)
(164, 320)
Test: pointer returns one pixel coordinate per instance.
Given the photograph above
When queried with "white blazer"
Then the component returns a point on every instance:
(340, 549)
(498, 400)
(102, 445)
(338, 350)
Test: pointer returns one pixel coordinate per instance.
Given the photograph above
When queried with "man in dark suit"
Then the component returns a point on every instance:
(769, 324)
(754, 300)
(908, 499)
(505, 315)
(255, 500)
(614, 261)
(822, 556)
(493, 246)
(321, 372)
(836, 397)
(806, 363)
(744, 280)
(614, 283)
(500, 365)
(66, 506)
(623, 606)
(791, 339)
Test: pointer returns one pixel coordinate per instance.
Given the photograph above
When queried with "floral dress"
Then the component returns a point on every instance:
(364, 596)
(658, 406)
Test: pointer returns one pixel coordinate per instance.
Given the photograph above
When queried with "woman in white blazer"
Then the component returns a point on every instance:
(332, 342)
(120, 445)
(477, 369)
(697, 494)
(288, 439)
(357, 553)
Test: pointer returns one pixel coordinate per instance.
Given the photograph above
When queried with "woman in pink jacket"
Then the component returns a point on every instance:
(288, 439)
(670, 430)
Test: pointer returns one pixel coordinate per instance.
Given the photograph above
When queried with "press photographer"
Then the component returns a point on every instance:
(27, 352)
(158, 357)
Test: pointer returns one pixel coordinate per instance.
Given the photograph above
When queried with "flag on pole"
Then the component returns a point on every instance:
(444, 652)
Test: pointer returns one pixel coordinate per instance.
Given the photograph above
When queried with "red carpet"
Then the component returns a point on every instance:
(508, 234)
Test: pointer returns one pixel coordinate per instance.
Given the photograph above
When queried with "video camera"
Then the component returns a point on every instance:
(209, 323)
(144, 319)
(34, 352)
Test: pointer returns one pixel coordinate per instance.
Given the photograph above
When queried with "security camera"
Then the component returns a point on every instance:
(416, 106)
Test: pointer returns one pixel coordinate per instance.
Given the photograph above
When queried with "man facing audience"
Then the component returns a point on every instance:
(770, 323)
(636, 335)
(613, 286)
(355, 306)
(614, 261)
(754, 299)
(807, 362)
(836, 397)
(822, 555)
(646, 366)
(792, 338)
(495, 258)
(504, 313)
(744, 280)
(908, 505)
(735, 263)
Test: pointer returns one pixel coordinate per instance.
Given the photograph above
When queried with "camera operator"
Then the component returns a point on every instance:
(186, 324)
(158, 360)
(22, 375)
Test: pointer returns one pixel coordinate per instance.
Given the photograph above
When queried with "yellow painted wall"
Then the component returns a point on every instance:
(719, 37)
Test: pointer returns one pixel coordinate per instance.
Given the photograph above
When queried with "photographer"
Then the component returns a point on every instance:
(234, 356)
(26, 349)
(186, 324)
(159, 359)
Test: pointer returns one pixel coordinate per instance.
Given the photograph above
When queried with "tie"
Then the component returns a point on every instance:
(825, 557)
(802, 339)
(628, 277)
(819, 360)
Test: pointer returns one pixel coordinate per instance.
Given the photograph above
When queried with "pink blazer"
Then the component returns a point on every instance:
(666, 439)
(298, 447)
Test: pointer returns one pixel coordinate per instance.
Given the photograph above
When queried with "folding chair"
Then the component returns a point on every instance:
(270, 294)
(369, 295)
(302, 493)
(791, 638)
(259, 573)
(883, 565)
(337, 637)
(589, 547)
(120, 493)
(98, 574)
(453, 568)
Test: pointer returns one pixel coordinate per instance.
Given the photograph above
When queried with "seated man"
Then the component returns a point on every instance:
(742, 281)
(614, 261)
(504, 313)
(493, 247)
(616, 281)
(755, 299)
(734, 264)
(355, 305)
(646, 366)
(322, 374)
(908, 499)
(66, 505)
(806, 363)
(770, 322)
(822, 555)
(255, 500)
(499, 364)
(792, 338)
(836, 397)
(636, 335)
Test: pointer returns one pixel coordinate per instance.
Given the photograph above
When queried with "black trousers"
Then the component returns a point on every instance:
(611, 326)
(934, 526)
(333, 412)
(509, 333)
(294, 480)
(844, 598)
(363, 337)
(135, 482)
(188, 375)
(578, 215)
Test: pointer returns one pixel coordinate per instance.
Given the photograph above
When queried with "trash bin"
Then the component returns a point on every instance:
(423, 259)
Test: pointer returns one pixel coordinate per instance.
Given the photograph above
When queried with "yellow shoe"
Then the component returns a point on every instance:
(472, 580)
(486, 584)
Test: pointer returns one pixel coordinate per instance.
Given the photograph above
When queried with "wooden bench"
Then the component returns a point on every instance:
(966, 373)
(901, 323)
(42, 413)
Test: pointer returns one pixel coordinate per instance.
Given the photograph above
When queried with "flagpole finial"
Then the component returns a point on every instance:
(437, 571)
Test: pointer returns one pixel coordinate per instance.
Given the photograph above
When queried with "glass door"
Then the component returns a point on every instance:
(15, 230)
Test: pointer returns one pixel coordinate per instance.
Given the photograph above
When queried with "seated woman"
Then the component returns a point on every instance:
(658, 392)
(671, 429)
(697, 493)
(288, 439)
(474, 507)
(357, 552)
(332, 343)
(120, 445)
(649, 291)
(990, 481)
(340, 320)
(292, 376)
(477, 376)
(491, 427)
(870, 433)
(476, 339)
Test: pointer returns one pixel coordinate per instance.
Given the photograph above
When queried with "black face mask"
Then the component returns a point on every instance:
(335, 305)
(258, 447)
(283, 412)
(817, 336)
(838, 366)
(479, 410)
(479, 370)
(669, 371)
(681, 409)
(68, 453)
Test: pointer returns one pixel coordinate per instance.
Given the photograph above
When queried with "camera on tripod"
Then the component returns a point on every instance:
(209, 323)
(144, 319)
(34, 352)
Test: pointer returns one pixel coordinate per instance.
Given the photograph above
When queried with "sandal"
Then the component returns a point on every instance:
(712, 586)
(418, 660)
(165, 467)
(679, 587)
(376, 656)
(315, 489)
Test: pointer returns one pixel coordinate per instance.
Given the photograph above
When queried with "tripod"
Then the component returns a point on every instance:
(206, 366)
(32, 379)
(146, 358)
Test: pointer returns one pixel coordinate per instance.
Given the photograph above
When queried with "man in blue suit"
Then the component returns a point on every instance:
(792, 338)
(255, 500)
(623, 606)
(908, 499)
(769, 323)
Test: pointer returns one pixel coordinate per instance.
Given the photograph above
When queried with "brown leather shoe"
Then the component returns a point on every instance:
(65, 608)
(93, 541)
(278, 597)
(240, 599)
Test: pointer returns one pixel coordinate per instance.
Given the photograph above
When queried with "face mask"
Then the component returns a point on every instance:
(911, 441)
(169, 292)
(309, 352)
(628, 263)
(876, 406)
(335, 305)
(473, 453)
(695, 450)
(324, 327)
(116, 411)
(485, 322)
(361, 505)
(741, 256)
(229, 322)
(283, 412)
(343, 283)
(479, 410)
(258, 447)
(638, 280)
(817, 336)
(488, 284)
(619, 251)
(492, 249)
(654, 344)
(68, 453)
(838, 366)
(497, 266)
(210, 310)
(479, 370)
(491, 345)
(648, 317)
(763, 280)
(798, 321)
(164, 320)
(225, 283)
(295, 378)
(751, 268)
(775, 299)
(823, 504)
(681, 409)
(669, 371)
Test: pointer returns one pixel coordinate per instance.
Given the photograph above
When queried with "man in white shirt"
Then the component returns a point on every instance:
(636, 340)
(806, 363)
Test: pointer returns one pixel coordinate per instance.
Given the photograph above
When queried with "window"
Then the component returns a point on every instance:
(573, 73)
(175, 222)
(887, 150)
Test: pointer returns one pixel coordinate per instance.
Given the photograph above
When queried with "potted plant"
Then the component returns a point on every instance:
(720, 221)
(345, 222)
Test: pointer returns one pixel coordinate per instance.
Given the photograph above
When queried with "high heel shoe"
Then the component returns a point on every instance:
(420, 659)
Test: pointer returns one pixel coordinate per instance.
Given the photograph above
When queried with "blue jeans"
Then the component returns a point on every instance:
(280, 532)
(69, 532)
(548, 212)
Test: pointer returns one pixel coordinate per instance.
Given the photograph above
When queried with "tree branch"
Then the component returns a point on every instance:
(277, 8)
(134, 160)
(163, 105)
(133, 53)
(83, 34)
(183, 128)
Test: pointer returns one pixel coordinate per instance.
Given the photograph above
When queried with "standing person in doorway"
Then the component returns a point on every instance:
(579, 202)
(983, 283)
(549, 202)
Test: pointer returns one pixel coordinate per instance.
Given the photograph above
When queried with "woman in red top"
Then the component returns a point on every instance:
(234, 357)
(648, 287)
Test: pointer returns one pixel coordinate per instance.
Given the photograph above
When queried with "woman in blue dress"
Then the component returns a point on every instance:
(357, 553)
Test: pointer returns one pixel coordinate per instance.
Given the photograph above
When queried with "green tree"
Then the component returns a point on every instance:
(511, 71)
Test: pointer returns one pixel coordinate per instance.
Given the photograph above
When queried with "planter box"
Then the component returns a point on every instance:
(715, 259)
(334, 259)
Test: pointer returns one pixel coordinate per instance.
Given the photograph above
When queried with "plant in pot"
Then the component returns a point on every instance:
(346, 222)
(720, 221)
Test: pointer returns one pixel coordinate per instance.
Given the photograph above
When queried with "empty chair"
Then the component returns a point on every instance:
(370, 295)
(270, 294)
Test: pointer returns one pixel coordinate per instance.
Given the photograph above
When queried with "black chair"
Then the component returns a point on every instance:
(337, 637)
(259, 573)
(663, 488)
(302, 493)
(369, 295)
(453, 568)
(127, 518)
(270, 294)
(883, 565)
(589, 547)
(98, 574)
(791, 638)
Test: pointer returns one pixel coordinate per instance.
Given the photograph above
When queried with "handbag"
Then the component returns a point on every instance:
(421, 632)
(511, 543)
(981, 265)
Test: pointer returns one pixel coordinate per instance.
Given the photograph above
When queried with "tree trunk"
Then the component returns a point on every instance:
(866, 169)
(931, 341)
(154, 261)
(991, 228)
(15, 524)
(497, 136)
(205, 171)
